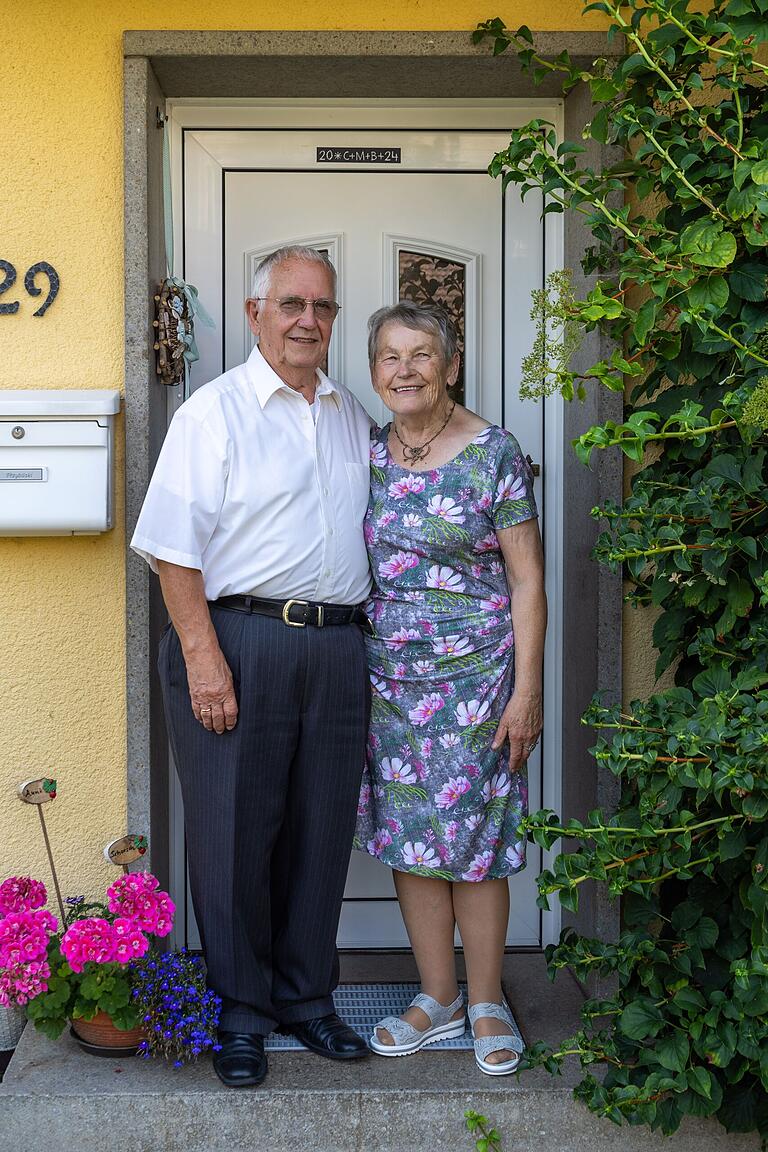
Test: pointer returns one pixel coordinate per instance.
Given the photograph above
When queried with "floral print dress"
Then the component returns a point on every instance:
(435, 799)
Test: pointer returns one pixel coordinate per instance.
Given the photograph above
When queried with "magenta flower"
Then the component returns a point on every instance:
(21, 894)
(137, 896)
(408, 484)
(86, 941)
(427, 707)
(452, 791)
(400, 638)
(399, 563)
(130, 943)
(489, 543)
(381, 840)
(480, 867)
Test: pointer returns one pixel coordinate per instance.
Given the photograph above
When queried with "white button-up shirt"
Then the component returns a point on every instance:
(260, 493)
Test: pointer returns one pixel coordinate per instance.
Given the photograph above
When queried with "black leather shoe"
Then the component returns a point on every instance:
(241, 1061)
(329, 1036)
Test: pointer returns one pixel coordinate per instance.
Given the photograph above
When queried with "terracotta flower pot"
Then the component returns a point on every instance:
(101, 1033)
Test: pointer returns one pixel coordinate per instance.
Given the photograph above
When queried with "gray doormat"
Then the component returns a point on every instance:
(363, 1005)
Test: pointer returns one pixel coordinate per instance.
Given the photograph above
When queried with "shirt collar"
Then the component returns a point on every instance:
(266, 381)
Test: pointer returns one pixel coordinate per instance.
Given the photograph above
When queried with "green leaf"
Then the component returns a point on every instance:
(706, 243)
(759, 172)
(712, 291)
(672, 1051)
(749, 280)
(640, 1019)
(700, 1080)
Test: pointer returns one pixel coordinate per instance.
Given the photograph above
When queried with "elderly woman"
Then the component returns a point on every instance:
(459, 614)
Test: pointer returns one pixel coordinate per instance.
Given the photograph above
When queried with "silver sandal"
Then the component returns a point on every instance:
(408, 1039)
(485, 1045)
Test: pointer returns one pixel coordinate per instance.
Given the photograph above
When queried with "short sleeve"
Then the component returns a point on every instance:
(513, 499)
(185, 495)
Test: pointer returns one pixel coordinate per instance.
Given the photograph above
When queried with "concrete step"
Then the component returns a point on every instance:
(54, 1096)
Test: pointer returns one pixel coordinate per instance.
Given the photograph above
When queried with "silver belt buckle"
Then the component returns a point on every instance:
(286, 609)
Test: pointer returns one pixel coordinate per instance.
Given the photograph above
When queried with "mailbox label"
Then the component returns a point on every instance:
(17, 474)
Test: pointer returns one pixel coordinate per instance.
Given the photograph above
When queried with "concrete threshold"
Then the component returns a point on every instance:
(55, 1095)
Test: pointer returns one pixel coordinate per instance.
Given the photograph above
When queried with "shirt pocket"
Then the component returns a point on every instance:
(359, 480)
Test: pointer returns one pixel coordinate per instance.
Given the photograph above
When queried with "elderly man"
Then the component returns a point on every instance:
(254, 521)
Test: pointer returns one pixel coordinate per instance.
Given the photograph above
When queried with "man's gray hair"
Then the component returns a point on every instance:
(262, 277)
(431, 318)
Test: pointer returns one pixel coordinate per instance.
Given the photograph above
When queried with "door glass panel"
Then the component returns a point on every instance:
(425, 278)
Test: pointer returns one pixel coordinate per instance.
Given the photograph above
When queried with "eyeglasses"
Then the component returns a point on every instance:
(294, 306)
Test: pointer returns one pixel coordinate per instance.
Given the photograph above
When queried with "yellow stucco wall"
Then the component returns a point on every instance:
(62, 646)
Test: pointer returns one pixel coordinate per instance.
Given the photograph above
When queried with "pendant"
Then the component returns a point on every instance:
(413, 455)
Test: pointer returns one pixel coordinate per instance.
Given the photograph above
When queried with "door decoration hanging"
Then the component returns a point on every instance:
(176, 302)
(176, 305)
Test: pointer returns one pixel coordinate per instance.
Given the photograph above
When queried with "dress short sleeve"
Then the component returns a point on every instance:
(185, 495)
(513, 499)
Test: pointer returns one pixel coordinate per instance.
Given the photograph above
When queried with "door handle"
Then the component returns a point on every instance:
(535, 468)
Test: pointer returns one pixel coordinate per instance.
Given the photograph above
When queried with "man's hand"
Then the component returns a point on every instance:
(521, 723)
(211, 691)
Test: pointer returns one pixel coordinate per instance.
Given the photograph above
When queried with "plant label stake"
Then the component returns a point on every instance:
(40, 792)
(124, 851)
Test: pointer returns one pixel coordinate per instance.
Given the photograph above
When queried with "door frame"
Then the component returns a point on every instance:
(189, 119)
(367, 65)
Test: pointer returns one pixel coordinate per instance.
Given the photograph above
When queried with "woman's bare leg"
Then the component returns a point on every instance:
(427, 907)
(482, 912)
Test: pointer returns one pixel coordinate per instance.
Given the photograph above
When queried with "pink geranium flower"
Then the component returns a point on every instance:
(86, 941)
(427, 707)
(21, 894)
(452, 791)
(471, 713)
(480, 867)
(138, 897)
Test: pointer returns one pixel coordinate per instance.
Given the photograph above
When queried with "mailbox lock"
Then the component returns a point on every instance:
(18, 432)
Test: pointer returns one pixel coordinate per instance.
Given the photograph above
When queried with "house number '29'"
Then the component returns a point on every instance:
(9, 272)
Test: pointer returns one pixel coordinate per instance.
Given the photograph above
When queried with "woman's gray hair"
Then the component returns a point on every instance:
(262, 278)
(431, 318)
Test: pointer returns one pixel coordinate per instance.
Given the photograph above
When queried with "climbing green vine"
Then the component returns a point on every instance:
(680, 253)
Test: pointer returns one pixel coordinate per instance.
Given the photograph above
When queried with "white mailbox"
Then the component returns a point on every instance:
(56, 461)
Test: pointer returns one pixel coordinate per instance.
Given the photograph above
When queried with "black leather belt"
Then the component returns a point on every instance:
(298, 613)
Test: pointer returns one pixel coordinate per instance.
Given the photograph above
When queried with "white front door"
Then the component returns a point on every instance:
(431, 225)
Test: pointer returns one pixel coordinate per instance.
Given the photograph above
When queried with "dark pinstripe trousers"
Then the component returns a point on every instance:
(270, 811)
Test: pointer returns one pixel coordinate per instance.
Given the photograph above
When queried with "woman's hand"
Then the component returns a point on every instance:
(521, 723)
